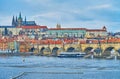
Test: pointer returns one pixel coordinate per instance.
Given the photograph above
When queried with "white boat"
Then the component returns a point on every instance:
(71, 54)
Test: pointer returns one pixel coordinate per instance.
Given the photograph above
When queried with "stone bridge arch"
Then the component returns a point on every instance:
(118, 51)
(45, 51)
(88, 49)
(55, 51)
(42, 51)
(32, 49)
(107, 51)
(70, 49)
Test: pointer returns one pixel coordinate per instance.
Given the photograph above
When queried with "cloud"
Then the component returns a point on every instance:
(49, 15)
(103, 6)
(62, 17)
(71, 20)
(38, 2)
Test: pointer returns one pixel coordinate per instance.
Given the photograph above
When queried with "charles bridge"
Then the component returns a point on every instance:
(55, 49)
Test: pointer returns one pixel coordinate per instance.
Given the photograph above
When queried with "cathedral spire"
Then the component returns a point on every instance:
(20, 20)
(25, 18)
(16, 19)
(20, 15)
(25, 21)
(13, 21)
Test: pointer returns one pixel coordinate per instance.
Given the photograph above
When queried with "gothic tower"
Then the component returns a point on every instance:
(13, 21)
(58, 26)
(25, 20)
(19, 20)
(16, 19)
(104, 28)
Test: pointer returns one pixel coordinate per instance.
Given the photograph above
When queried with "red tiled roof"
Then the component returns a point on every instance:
(96, 30)
(32, 27)
(67, 28)
(43, 26)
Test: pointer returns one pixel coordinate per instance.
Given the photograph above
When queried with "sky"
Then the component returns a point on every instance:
(92, 14)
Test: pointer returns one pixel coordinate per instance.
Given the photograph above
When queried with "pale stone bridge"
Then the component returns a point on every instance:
(53, 49)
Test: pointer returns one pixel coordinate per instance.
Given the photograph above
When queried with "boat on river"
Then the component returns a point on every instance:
(71, 54)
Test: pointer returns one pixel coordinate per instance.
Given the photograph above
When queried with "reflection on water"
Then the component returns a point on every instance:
(35, 67)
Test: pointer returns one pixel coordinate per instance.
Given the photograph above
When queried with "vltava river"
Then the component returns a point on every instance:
(36, 67)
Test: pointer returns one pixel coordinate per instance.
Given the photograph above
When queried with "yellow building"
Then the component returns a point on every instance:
(93, 33)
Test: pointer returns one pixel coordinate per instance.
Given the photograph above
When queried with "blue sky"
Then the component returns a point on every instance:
(68, 13)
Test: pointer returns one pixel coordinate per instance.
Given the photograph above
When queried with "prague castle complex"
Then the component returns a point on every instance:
(20, 26)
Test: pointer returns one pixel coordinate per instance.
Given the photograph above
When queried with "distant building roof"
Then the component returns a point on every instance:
(96, 30)
(90, 30)
(7, 26)
(117, 33)
(29, 23)
(32, 27)
(67, 29)
(104, 29)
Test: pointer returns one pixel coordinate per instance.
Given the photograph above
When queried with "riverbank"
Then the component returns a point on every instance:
(32, 54)
(16, 54)
(103, 57)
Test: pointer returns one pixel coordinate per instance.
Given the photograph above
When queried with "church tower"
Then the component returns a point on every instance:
(104, 28)
(19, 20)
(58, 26)
(25, 20)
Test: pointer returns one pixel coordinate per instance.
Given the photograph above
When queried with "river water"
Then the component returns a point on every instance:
(36, 67)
